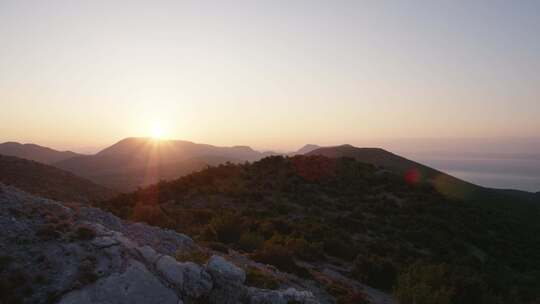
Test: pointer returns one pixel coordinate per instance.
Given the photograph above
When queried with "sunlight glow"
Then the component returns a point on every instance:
(157, 131)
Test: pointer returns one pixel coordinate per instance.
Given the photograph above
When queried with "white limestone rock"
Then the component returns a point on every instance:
(188, 278)
(135, 286)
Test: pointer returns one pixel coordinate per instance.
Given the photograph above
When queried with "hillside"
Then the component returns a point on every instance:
(53, 252)
(49, 182)
(416, 173)
(34, 152)
(346, 224)
(135, 162)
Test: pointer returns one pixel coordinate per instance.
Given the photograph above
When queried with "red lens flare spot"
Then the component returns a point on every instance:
(413, 176)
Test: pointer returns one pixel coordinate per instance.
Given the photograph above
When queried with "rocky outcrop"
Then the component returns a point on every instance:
(135, 285)
(84, 255)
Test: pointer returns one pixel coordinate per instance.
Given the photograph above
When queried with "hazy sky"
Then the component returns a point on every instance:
(271, 74)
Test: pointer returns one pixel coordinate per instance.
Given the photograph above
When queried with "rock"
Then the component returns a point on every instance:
(188, 278)
(291, 295)
(257, 296)
(123, 263)
(104, 241)
(228, 281)
(225, 272)
(135, 286)
(148, 253)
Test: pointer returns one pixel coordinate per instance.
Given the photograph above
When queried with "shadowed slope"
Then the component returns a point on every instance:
(313, 215)
(416, 173)
(49, 182)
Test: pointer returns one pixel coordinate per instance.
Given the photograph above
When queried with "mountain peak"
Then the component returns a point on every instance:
(307, 148)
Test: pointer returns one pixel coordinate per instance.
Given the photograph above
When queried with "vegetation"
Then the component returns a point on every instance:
(319, 210)
(259, 279)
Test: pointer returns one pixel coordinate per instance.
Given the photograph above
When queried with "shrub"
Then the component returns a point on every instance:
(354, 297)
(5, 260)
(260, 279)
(375, 271)
(250, 241)
(217, 246)
(195, 255)
(276, 255)
(424, 285)
(305, 250)
(13, 284)
(151, 214)
(227, 227)
(86, 274)
(48, 232)
(85, 233)
(340, 249)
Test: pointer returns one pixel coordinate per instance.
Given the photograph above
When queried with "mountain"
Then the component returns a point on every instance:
(135, 162)
(54, 252)
(416, 173)
(175, 150)
(49, 182)
(347, 224)
(306, 149)
(34, 152)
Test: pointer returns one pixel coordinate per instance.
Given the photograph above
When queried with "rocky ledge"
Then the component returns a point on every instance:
(56, 253)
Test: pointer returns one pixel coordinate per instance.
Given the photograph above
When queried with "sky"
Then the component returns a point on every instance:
(269, 74)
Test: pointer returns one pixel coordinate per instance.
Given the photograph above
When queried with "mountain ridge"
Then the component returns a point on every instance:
(35, 152)
(128, 161)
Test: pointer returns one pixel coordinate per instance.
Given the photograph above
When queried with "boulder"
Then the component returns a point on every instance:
(225, 272)
(291, 295)
(228, 281)
(188, 278)
(135, 286)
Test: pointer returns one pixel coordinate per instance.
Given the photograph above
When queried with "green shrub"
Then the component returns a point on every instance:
(305, 250)
(424, 285)
(227, 228)
(250, 241)
(260, 279)
(276, 255)
(375, 271)
(217, 246)
(340, 249)
(194, 255)
(5, 260)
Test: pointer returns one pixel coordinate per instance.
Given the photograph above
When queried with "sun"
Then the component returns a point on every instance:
(157, 131)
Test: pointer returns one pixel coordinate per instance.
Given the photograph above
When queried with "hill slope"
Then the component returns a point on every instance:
(416, 173)
(34, 152)
(49, 182)
(52, 253)
(345, 223)
(135, 162)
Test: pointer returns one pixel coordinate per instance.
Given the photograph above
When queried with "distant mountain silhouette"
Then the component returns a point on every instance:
(306, 149)
(49, 182)
(135, 162)
(34, 152)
